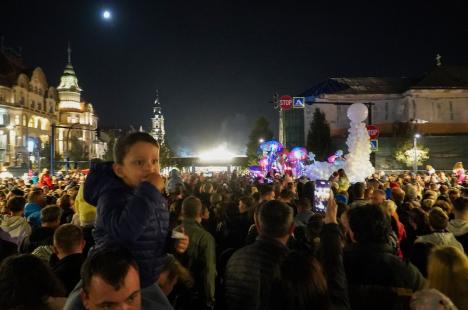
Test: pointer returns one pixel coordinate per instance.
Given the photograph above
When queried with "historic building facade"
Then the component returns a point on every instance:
(434, 105)
(29, 106)
(157, 121)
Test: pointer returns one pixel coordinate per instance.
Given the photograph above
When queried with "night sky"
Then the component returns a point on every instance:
(217, 63)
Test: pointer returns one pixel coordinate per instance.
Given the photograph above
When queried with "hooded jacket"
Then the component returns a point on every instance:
(14, 229)
(423, 245)
(440, 238)
(458, 227)
(134, 218)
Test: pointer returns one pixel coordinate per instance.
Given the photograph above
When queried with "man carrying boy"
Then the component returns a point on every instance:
(131, 210)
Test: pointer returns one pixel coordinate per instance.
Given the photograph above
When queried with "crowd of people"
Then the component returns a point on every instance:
(125, 237)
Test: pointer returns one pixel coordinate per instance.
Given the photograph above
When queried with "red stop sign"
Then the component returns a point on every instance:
(373, 131)
(285, 102)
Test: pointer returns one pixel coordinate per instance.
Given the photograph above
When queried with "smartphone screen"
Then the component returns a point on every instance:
(321, 195)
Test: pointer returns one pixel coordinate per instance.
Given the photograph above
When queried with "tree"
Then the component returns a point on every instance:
(110, 141)
(404, 153)
(166, 156)
(261, 131)
(318, 137)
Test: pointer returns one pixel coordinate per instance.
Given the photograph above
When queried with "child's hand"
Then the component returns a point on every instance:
(157, 180)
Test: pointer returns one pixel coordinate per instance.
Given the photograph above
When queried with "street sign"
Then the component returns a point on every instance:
(298, 102)
(373, 132)
(286, 102)
(374, 144)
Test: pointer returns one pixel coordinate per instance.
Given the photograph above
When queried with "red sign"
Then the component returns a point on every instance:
(286, 102)
(373, 131)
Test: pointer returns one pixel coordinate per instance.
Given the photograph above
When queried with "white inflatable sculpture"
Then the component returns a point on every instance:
(357, 164)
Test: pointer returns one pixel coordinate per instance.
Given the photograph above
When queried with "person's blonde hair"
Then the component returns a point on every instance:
(447, 271)
(458, 165)
(389, 207)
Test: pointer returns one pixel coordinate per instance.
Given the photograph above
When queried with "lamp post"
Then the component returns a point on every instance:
(415, 153)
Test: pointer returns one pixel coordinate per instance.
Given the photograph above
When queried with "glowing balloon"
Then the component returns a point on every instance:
(271, 146)
(298, 153)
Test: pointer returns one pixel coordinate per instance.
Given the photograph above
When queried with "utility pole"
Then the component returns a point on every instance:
(369, 122)
(52, 149)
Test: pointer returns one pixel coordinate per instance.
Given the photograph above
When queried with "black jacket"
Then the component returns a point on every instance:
(332, 262)
(68, 270)
(39, 236)
(372, 269)
(250, 271)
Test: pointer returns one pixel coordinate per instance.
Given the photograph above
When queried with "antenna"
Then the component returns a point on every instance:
(69, 53)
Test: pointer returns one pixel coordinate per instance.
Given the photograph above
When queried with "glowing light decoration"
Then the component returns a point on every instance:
(217, 154)
(296, 159)
(298, 153)
(270, 149)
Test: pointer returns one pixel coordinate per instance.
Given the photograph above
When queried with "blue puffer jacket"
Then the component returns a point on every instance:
(135, 218)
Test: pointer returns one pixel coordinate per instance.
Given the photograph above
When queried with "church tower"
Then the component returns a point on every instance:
(157, 121)
(76, 118)
(69, 92)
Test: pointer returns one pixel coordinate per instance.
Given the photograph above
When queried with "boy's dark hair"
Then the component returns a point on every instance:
(111, 264)
(191, 207)
(369, 224)
(16, 204)
(50, 214)
(67, 237)
(275, 218)
(124, 143)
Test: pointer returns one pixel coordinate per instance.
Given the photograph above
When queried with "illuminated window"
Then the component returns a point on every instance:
(25, 122)
(17, 119)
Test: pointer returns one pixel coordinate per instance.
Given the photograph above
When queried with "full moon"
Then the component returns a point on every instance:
(106, 14)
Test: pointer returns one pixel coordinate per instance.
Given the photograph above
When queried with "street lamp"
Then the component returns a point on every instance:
(415, 159)
(261, 140)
